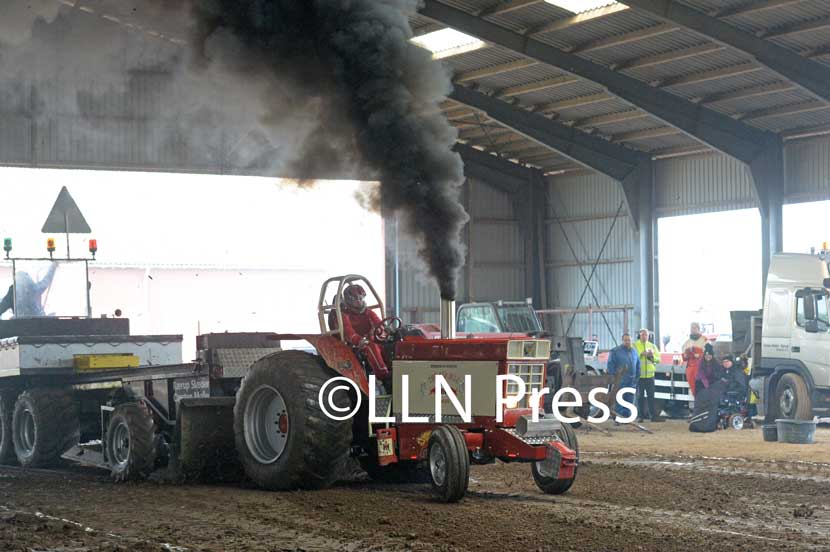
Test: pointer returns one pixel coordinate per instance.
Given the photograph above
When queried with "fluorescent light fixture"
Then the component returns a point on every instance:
(581, 6)
(447, 43)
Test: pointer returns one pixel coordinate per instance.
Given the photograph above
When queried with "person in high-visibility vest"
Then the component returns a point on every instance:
(649, 354)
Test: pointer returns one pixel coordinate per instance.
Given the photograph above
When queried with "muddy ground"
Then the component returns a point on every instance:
(666, 491)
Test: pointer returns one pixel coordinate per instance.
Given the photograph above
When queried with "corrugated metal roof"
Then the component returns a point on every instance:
(593, 110)
(762, 102)
(573, 90)
(804, 41)
(650, 46)
(534, 73)
(794, 121)
(479, 59)
(687, 66)
(725, 84)
(765, 19)
(530, 16)
(597, 29)
(599, 34)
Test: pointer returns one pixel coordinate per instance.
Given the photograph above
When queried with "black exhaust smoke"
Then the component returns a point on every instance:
(377, 95)
(306, 87)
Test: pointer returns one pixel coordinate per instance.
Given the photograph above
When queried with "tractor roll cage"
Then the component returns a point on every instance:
(324, 308)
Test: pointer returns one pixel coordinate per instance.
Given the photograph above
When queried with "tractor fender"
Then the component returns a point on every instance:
(337, 355)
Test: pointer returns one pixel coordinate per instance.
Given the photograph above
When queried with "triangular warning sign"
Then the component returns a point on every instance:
(65, 217)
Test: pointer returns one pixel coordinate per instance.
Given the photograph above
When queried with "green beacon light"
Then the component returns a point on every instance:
(7, 246)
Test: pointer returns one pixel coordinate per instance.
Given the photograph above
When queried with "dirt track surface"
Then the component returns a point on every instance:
(668, 491)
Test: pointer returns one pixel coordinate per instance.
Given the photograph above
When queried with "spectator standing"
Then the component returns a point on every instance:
(692, 354)
(624, 360)
(648, 353)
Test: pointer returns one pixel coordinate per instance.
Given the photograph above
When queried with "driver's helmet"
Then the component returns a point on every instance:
(354, 297)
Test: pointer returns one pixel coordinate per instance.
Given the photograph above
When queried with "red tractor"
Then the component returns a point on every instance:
(286, 440)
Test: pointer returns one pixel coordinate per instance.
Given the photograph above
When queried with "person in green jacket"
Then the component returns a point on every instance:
(649, 356)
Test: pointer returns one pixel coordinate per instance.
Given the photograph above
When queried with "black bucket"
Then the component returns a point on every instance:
(770, 432)
(799, 432)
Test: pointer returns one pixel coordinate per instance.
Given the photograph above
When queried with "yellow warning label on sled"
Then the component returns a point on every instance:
(87, 363)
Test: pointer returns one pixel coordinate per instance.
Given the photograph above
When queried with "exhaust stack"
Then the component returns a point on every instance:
(447, 319)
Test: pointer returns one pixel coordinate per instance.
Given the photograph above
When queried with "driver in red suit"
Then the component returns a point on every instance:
(358, 324)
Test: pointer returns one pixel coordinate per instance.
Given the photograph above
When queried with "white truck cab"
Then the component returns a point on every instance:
(794, 363)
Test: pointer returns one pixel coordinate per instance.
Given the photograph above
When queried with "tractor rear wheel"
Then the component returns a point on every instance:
(284, 439)
(449, 463)
(44, 426)
(130, 443)
(550, 485)
(6, 411)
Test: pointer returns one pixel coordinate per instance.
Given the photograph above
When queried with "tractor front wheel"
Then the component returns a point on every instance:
(449, 463)
(284, 439)
(550, 485)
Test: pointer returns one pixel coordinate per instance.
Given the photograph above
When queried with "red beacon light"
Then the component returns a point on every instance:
(93, 247)
(50, 246)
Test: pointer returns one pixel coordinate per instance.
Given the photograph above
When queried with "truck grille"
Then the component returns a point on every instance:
(533, 376)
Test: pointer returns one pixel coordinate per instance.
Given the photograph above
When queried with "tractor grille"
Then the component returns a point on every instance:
(533, 376)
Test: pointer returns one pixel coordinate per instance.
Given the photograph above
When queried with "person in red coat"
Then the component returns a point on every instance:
(692, 353)
(358, 324)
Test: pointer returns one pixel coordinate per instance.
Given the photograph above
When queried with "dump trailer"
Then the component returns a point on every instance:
(86, 389)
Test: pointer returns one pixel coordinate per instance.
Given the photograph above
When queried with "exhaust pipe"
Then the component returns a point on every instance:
(447, 319)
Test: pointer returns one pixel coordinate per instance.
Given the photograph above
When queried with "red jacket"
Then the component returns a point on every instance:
(356, 326)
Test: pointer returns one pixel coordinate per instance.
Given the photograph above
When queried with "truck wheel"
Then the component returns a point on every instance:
(44, 426)
(792, 398)
(283, 438)
(549, 485)
(130, 443)
(6, 411)
(449, 463)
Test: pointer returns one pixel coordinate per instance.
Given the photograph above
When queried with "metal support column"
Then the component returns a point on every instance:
(645, 212)
(530, 208)
(770, 186)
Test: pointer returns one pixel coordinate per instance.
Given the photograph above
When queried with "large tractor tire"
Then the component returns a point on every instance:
(130, 442)
(792, 398)
(284, 439)
(7, 399)
(449, 463)
(44, 426)
(549, 485)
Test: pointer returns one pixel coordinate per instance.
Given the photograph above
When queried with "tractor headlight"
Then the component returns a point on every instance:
(528, 349)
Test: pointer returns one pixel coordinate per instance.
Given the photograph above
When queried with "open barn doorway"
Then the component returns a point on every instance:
(709, 264)
(184, 253)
